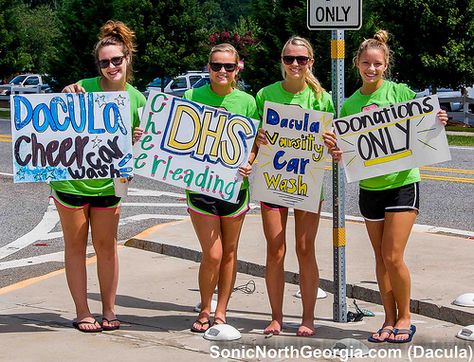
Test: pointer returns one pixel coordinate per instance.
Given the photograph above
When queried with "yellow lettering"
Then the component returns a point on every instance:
(181, 110)
(207, 133)
(234, 140)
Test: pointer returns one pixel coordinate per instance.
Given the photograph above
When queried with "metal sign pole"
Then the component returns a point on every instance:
(339, 231)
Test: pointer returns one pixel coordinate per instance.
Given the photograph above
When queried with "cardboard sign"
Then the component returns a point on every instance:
(393, 138)
(289, 170)
(70, 136)
(193, 146)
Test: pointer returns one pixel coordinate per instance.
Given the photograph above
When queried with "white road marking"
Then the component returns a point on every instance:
(39, 259)
(143, 192)
(462, 148)
(49, 221)
(155, 204)
(141, 217)
(6, 174)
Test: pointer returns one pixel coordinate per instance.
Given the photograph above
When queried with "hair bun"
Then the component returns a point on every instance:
(381, 36)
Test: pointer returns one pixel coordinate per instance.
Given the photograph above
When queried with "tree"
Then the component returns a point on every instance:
(279, 20)
(80, 24)
(38, 33)
(170, 35)
(28, 38)
(432, 40)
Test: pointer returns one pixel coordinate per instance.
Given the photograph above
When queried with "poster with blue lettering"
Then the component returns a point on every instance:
(394, 138)
(289, 170)
(68, 136)
(193, 146)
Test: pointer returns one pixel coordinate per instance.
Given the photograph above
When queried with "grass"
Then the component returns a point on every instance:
(5, 114)
(461, 140)
(459, 129)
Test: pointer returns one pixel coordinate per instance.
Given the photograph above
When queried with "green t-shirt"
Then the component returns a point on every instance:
(236, 102)
(306, 99)
(100, 187)
(388, 93)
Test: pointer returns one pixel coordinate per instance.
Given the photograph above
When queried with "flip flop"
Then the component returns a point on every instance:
(201, 324)
(397, 331)
(77, 325)
(218, 319)
(379, 332)
(109, 327)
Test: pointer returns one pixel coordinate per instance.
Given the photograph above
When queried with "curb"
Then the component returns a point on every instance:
(425, 308)
(421, 228)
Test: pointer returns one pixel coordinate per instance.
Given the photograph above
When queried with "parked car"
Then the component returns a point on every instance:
(183, 82)
(22, 82)
(201, 82)
(442, 94)
(157, 83)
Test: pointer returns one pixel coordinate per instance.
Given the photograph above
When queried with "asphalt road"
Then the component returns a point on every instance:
(31, 240)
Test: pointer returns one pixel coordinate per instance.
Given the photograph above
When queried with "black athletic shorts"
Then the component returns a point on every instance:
(374, 204)
(71, 201)
(207, 205)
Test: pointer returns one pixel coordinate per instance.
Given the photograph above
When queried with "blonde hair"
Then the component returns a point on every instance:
(226, 47)
(379, 41)
(310, 79)
(116, 33)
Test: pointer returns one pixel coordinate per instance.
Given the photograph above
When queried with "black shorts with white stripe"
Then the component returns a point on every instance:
(374, 204)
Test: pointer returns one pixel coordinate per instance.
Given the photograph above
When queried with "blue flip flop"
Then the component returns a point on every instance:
(379, 332)
(397, 331)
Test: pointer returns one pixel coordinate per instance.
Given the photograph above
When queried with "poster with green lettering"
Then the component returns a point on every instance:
(392, 138)
(68, 136)
(193, 146)
(289, 170)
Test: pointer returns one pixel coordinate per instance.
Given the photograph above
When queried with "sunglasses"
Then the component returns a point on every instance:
(116, 61)
(290, 59)
(229, 67)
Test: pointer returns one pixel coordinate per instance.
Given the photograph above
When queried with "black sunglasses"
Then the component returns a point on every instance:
(116, 61)
(290, 59)
(229, 67)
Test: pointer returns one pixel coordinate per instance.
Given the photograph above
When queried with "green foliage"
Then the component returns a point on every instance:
(28, 38)
(80, 24)
(278, 21)
(432, 40)
(170, 36)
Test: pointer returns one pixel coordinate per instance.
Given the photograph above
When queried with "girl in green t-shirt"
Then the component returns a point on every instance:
(217, 222)
(84, 203)
(388, 203)
(299, 87)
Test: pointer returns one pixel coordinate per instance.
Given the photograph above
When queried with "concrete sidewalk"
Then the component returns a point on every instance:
(441, 265)
(157, 294)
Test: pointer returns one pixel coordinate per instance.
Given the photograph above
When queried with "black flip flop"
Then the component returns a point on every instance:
(77, 325)
(201, 324)
(110, 328)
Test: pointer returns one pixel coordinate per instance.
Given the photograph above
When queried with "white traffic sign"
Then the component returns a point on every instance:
(334, 14)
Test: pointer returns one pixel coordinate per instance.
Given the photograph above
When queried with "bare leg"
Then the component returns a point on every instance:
(274, 227)
(306, 227)
(231, 228)
(397, 230)
(75, 225)
(375, 230)
(104, 226)
(208, 231)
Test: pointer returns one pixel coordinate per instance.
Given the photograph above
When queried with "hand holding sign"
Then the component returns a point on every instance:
(393, 138)
(71, 136)
(289, 169)
(193, 146)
